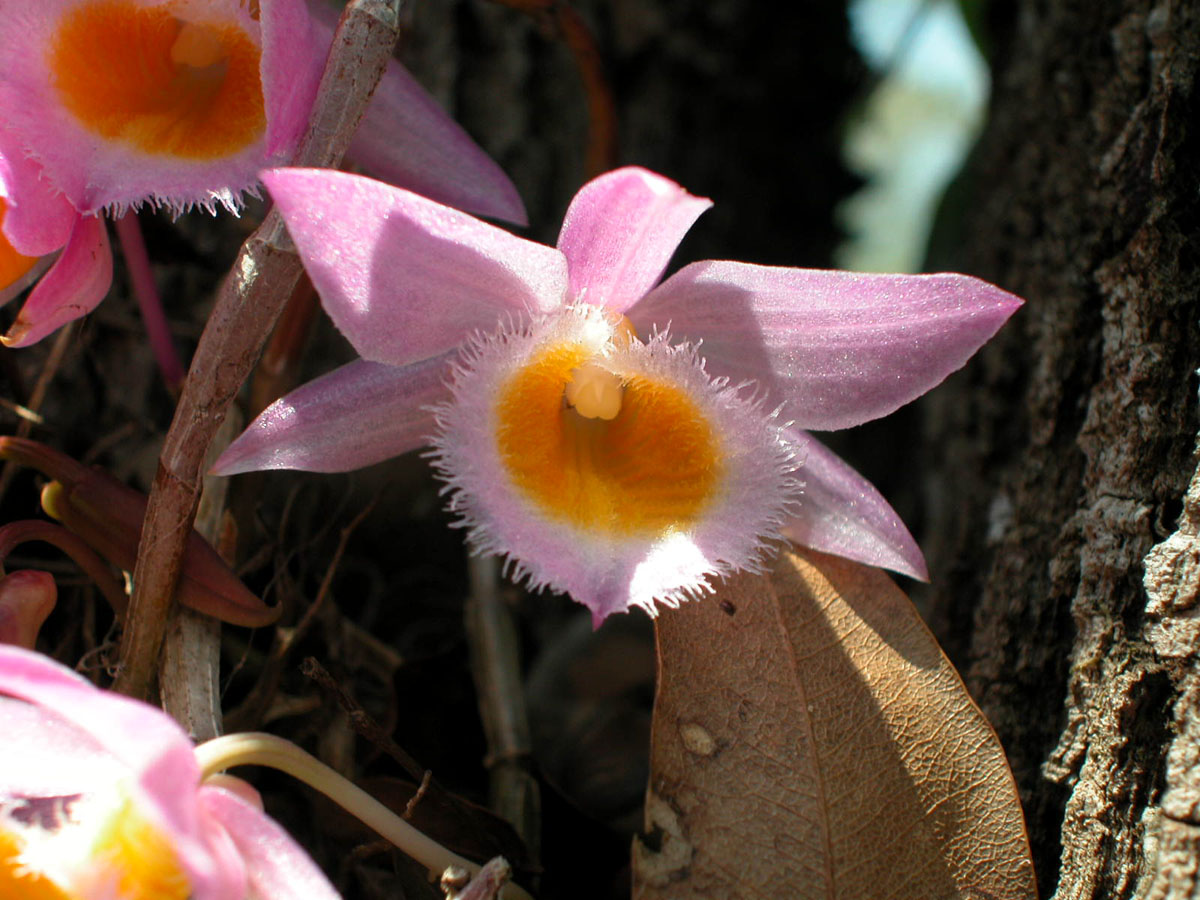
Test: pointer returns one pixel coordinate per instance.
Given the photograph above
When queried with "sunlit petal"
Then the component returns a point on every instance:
(157, 754)
(840, 348)
(276, 867)
(354, 416)
(405, 278)
(619, 234)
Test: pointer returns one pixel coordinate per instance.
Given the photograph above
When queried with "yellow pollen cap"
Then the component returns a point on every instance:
(594, 392)
(198, 46)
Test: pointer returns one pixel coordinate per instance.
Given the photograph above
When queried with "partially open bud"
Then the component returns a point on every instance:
(26, 599)
(107, 515)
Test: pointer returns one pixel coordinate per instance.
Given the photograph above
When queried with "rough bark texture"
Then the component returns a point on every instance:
(1060, 460)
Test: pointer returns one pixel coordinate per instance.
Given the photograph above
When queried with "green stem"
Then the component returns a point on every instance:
(257, 748)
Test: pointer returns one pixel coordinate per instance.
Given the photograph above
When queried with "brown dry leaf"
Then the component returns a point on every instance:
(811, 741)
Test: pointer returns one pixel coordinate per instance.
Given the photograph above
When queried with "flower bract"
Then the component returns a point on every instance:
(100, 797)
(617, 438)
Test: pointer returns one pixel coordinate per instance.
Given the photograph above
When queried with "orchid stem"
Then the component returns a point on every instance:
(259, 749)
(141, 279)
(248, 305)
(496, 670)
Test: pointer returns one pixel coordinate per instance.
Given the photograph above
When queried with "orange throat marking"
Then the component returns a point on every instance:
(164, 86)
(13, 265)
(651, 468)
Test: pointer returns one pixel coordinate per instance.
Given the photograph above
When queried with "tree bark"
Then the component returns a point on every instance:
(1065, 577)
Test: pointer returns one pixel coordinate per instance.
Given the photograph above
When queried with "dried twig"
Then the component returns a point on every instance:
(37, 395)
(250, 713)
(189, 673)
(248, 305)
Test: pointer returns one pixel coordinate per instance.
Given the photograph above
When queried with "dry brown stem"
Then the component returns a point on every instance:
(248, 305)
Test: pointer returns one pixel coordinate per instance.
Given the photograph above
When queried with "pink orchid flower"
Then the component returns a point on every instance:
(623, 471)
(100, 797)
(112, 104)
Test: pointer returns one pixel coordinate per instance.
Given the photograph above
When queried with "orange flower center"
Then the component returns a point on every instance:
(638, 457)
(165, 86)
(19, 882)
(12, 264)
(124, 857)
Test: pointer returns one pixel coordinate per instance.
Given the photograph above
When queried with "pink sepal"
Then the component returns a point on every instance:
(842, 513)
(73, 286)
(408, 140)
(620, 232)
(841, 348)
(405, 278)
(294, 48)
(355, 416)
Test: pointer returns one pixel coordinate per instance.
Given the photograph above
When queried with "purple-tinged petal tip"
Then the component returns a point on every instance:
(74, 285)
(842, 513)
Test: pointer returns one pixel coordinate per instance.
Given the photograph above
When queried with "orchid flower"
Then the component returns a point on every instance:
(112, 104)
(101, 796)
(582, 429)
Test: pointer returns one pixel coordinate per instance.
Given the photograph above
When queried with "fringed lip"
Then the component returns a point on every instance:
(689, 489)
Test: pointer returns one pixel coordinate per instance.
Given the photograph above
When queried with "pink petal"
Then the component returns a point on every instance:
(294, 48)
(840, 347)
(73, 287)
(620, 232)
(276, 866)
(145, 740)
(38, 220)
(405, 278)
(842, 513)
(355, 416)
(610, 570)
